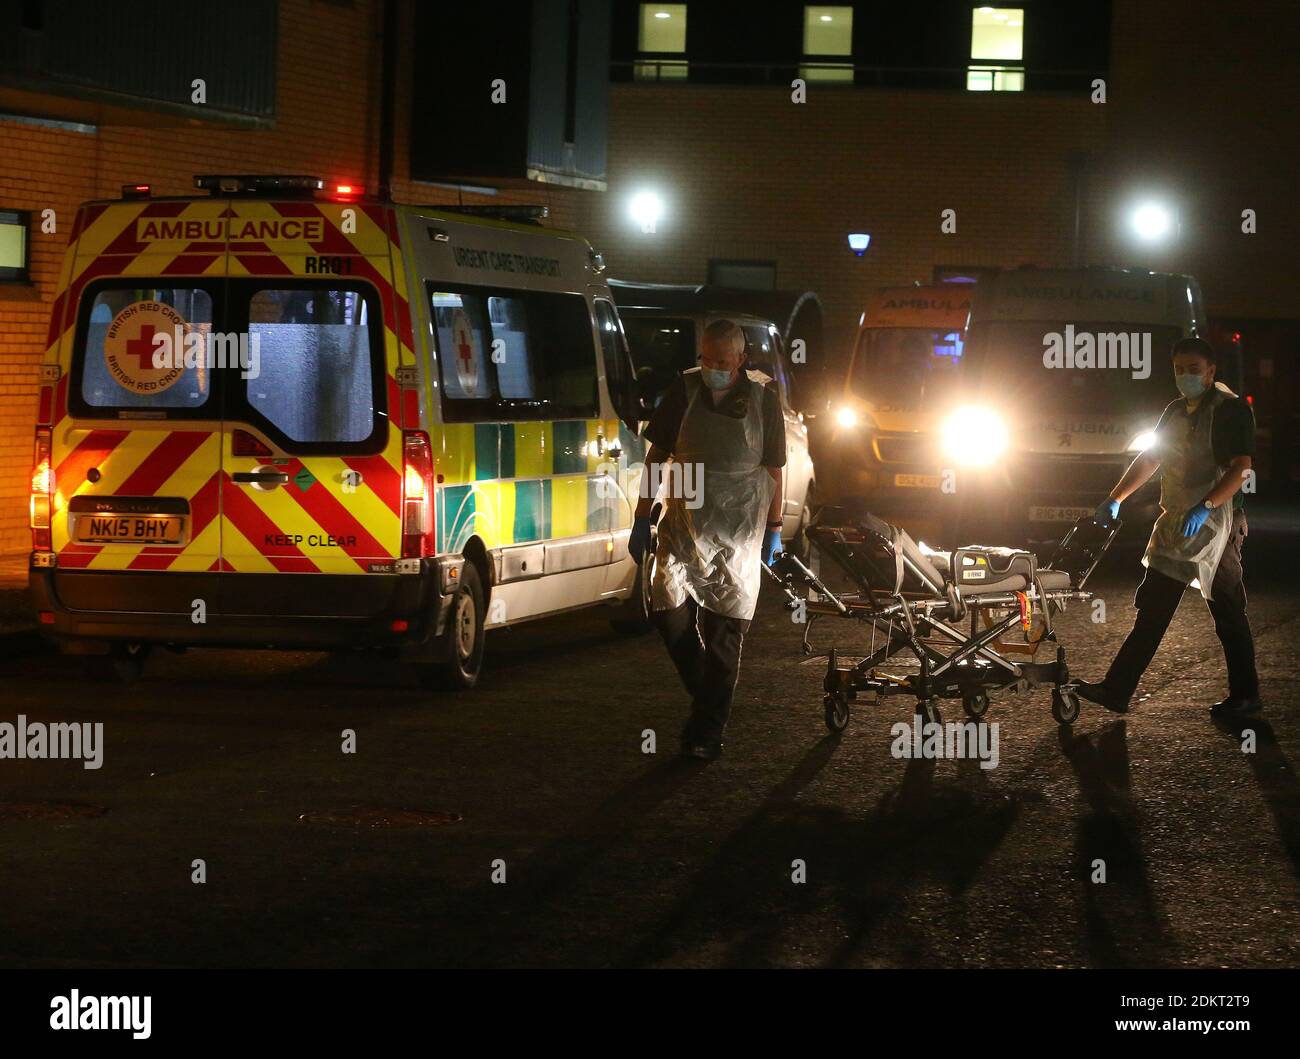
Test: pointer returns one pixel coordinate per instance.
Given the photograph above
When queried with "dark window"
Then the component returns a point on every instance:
(125, 357)
(662, 348)
(15, 245)
(508, 355)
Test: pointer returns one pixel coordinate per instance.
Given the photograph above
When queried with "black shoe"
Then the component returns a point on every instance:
(1097, 693)
(702, 751)
(1236, 706)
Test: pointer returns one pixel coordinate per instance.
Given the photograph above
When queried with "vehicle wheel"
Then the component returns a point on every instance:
(837, 712)
(1065, 707)
(928, 712)
(976, 706)
(633, 617)
(463, 640)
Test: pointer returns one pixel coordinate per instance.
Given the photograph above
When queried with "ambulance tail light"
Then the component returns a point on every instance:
(42, 491)
(417, 496)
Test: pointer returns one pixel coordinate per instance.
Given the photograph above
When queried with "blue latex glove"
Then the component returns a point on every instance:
(771, 545)
(1194, 520)
(1106, 513)
(638, 541)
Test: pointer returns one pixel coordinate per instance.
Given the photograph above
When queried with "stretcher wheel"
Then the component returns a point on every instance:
(1065, 707)
(976, 706)
(929, 713)
(837, 712)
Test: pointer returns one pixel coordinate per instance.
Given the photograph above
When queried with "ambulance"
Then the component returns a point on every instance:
(882, 433)
(272, 416)
(1066, 374)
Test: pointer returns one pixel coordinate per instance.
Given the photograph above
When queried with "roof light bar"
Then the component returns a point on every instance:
(253, 184)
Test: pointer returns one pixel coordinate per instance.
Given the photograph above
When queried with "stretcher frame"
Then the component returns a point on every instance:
(949, 663)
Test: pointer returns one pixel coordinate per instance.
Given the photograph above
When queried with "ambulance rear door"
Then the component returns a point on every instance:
(312, 445)
(135, 448)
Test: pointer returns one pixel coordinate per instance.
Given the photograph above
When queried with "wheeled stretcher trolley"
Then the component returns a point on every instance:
(944, 625)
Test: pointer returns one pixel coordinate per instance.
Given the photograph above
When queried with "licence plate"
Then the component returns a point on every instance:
(1058, 514)
(916, 481)
(130, 529)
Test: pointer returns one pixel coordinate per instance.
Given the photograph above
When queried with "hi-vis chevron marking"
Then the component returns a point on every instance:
(333, 525)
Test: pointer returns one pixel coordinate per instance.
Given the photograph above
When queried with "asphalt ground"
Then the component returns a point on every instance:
(615, 857)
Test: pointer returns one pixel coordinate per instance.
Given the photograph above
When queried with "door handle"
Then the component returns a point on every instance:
(262, 478)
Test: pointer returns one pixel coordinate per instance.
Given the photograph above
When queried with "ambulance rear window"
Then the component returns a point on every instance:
(143, 348)
(314, 379)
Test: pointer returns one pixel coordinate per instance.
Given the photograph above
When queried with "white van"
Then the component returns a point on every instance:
(1065, 374)
(417, 428)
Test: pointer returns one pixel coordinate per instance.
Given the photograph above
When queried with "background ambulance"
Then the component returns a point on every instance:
(1035, 446)
(882, 433)
(397, 427)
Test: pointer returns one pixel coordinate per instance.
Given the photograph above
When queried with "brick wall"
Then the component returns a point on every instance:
(746, 173)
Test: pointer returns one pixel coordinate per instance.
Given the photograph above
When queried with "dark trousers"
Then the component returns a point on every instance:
(1156, 601)
(705, 648)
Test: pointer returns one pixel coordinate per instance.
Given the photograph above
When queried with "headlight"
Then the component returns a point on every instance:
(974, 436)
(846, 417)
(1142, 442)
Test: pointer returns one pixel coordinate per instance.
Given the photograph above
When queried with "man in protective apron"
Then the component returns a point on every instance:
(724, 431)
(1203, 449)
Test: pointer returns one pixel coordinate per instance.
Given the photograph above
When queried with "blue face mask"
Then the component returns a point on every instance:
(1190, 386)
(716, 380)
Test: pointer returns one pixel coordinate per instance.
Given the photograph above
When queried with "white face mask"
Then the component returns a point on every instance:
(1190, 386)
(716, 380)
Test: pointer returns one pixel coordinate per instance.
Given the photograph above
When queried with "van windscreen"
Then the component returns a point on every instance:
(1104, 367)
(906, 367)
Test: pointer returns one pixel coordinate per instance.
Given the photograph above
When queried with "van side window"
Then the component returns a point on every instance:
(513, 355)
(765, 355)
(313, 372)
(510, 353)
(123, 327)
(459, 322)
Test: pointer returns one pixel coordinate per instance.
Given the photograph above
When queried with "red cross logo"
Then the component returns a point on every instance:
(465, 350)
(143, 347)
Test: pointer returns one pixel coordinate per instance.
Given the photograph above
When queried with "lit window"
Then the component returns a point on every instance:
(662, 35)
(827, 31)
(997, 34)
(13, 245)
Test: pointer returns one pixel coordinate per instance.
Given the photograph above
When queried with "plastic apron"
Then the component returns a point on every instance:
(1187, 473)
(713, 553)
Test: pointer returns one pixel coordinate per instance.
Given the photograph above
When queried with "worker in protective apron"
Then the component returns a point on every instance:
(1203, 450)
(724, 431)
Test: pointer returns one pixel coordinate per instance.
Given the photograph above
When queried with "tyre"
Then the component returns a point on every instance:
(836, 713)
(1065, 707)
(462, 642)
(976, 706)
